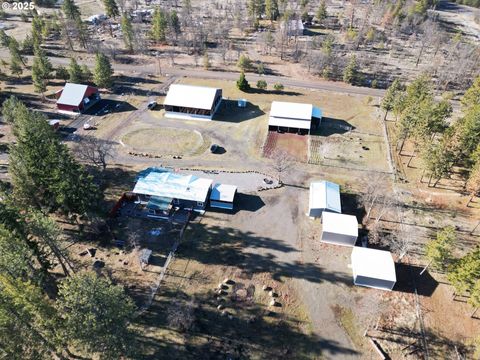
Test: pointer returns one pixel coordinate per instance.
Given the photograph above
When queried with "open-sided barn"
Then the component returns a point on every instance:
(192, 102)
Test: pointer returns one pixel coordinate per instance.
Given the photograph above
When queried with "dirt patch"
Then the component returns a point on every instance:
(292, 144)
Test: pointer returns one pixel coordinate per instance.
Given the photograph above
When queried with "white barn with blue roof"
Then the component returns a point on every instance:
(324, 196)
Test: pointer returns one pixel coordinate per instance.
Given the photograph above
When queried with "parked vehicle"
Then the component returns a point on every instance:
(152, 105)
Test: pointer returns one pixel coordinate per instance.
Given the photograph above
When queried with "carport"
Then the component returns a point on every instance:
(222, 196)
(339, 229)
(373, 268)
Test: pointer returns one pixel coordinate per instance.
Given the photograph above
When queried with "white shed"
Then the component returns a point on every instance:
(324, 196)
(373, 268)
(339, 229)
(222, 196)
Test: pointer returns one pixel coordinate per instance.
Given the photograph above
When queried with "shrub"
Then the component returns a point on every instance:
(278, 86)
(261, 84)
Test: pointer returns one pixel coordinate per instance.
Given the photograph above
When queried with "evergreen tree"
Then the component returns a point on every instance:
(4, 39)
(438, 160)
(271, 10)
(8, 109)
(37, 30)
(41, 70)
(321, 13)
(71, 10)
(96, 315)
(350, 74)
(390, 96)
(159, 25)
(102, 73)
(472, 95)
(127, 32)
(464, 273)
(468, 129)
(175, 24)
(86, 73)
(242, 83)
(111, 8)
(14, 49)
(244, 62)
(75, 75)
(44, 173)
(439, 250)
(261, 84)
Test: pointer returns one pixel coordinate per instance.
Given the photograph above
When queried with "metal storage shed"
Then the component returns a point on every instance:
(339, 229)
(222, 196)
(324, 196)
(373, 268)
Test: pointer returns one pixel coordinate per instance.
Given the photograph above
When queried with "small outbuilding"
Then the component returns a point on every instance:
(339, 229)
(293, 117)
(324, 196)
(76, 98)
(192, 102)
(373, 268)
(222, 196)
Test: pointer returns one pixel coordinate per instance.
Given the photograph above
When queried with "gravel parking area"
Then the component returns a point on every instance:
(246, 182)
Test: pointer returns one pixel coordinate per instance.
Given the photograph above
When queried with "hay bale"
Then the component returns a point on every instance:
(266, 288)
(228, 281)
(220, 307)
(272, 294)
(274, 303)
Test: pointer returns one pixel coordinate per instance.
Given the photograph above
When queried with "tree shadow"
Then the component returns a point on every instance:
(108, 106)
(217, 245)
(229, 111)
(249, 332)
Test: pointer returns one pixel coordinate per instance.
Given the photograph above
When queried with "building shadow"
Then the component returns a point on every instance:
(229, 111)
(330, 126)
(109, 106)
(408, 276)
(243, 202)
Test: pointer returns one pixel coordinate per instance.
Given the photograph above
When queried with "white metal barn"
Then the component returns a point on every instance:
(190, 102)
(339, 229)
(293, 117)
(222, 196)
(373, 268)
(324, 196)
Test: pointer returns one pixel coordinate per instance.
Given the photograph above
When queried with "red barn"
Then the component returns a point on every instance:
(77, 97)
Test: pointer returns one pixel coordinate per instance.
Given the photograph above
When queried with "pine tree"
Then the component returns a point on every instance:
(389, 99)
(111, 8)
(159, 25)
(242, 83)
(439, 250)
(175, 24)
(9, 107)
(14, 50)
(350, 74)
(37, 30)
(271, 10)
(244, 62)
(86, 73)
(472, 95)
(41, 70)
(44, 173)
(96, 315)
(438, 160)
(321, 13)
(102, 73)
(74, 72)
(71, 11)
(464, 273)
(127, 32)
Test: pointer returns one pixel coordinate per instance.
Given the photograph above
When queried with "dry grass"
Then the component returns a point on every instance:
(164, 141)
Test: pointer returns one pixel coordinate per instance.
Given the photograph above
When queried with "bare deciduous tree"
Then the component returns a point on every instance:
(282, 162)
(94, 150)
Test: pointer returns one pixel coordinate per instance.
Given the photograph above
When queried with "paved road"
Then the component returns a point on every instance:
(152, 67)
